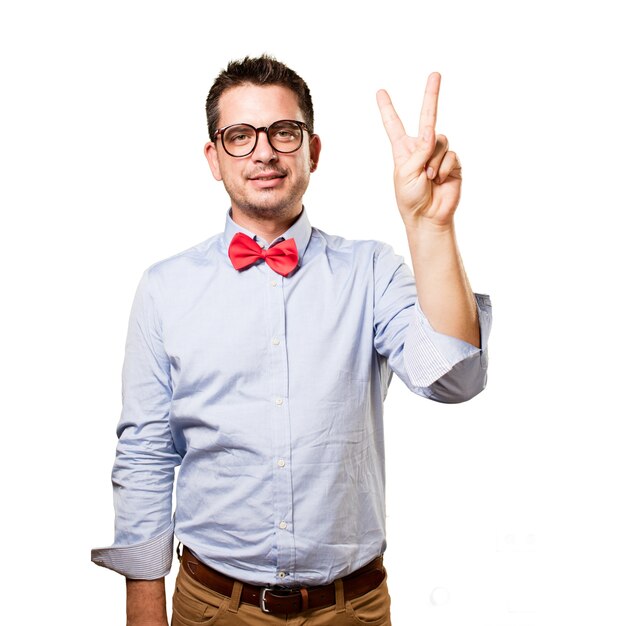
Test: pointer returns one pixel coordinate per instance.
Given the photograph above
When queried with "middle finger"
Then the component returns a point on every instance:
(428, 116)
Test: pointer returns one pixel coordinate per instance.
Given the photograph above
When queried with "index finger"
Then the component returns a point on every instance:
(428, 116)
(391, 121)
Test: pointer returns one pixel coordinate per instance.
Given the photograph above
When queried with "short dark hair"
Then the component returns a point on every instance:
(263, 70)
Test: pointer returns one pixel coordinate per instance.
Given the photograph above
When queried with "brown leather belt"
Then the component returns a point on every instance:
(285, 600)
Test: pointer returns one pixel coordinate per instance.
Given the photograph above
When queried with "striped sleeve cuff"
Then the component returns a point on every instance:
(147, 560)
(428, 355)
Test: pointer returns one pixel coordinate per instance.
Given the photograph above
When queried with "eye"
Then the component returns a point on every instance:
(239, 135)
(286, 132)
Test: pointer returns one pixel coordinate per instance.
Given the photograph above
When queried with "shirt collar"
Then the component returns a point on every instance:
(300, 230)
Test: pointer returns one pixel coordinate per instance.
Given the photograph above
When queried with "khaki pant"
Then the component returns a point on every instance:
(195, 605)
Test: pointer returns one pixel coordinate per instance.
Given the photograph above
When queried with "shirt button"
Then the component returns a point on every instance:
(281, 574)
(281, 463)
(279, 401)
(282, 525)
(275, 341)
(273, 283)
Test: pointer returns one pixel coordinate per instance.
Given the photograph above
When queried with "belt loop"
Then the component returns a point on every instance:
(235, 597)
(179, 552)
(305, 598)
(340, 603)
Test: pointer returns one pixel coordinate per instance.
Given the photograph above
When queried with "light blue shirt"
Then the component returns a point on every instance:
(268, 392)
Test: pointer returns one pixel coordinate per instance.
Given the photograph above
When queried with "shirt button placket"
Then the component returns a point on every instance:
(281, 431)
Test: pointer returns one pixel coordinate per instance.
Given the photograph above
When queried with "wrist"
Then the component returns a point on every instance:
(145, 603)
(422, 227)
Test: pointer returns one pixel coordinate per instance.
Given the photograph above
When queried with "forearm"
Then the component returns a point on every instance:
(145, 603)
(443, 289)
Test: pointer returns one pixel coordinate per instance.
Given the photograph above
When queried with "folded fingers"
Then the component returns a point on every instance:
(443, 162)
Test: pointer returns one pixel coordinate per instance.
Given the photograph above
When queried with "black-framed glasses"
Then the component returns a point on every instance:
(284, 136)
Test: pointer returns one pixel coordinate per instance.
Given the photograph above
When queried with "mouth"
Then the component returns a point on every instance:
(268, 175)
(265, 180)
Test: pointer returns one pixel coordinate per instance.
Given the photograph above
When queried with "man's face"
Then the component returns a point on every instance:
(265, 184)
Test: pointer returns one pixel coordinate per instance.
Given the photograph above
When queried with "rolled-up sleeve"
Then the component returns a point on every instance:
(431, 364)
(146, 458)
(444, 368)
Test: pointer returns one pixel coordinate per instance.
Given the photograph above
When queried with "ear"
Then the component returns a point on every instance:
(210, 153)
(315, 147)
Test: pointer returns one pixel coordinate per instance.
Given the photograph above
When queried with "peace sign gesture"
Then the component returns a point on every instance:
(427, 176)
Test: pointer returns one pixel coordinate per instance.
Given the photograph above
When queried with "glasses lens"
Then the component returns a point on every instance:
(239, 139)
(285, 136)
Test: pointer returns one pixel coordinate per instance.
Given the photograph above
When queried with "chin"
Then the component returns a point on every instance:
(266, 211)
(267, 207)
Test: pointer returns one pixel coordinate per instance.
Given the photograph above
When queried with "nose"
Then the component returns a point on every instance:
(263, 151)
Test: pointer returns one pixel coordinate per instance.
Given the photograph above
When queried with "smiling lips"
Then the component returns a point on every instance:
(267, 179)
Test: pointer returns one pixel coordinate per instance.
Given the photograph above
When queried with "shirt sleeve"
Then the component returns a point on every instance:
(143, 472)
(431, 364)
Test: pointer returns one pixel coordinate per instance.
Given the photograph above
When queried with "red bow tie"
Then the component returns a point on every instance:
(244, 252)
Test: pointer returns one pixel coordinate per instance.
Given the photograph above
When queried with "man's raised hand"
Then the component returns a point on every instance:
(427, 176)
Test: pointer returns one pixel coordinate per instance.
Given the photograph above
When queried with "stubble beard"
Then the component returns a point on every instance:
(269, 204)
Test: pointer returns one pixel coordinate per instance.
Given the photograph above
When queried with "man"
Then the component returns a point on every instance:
(259, 360)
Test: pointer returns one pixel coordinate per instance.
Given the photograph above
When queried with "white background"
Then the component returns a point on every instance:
(506, 511)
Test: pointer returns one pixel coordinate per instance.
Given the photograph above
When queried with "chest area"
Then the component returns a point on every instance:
(247, 323)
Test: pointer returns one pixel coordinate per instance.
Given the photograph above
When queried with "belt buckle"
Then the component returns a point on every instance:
(278, 590)
(262, 601)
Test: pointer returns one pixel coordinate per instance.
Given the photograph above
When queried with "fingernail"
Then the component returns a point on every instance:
(430, 172)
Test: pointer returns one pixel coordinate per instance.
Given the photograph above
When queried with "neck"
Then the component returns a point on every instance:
(267, 229)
